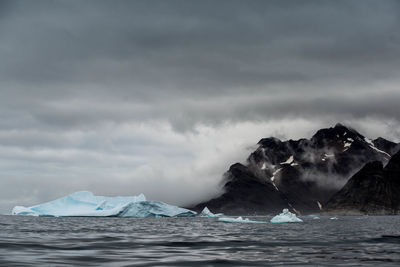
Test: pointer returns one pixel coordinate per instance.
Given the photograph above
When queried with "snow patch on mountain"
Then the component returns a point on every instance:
(264, 166)
(347, 145)
(275, 173)
(289, 160)
(371, 145)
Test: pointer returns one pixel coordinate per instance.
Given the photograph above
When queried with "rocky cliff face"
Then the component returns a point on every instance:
(298, 174)
(372, 190)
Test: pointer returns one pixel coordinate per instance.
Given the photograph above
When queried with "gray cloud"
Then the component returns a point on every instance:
(99, 91)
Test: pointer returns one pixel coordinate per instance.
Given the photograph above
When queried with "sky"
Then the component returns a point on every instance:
(161, 97)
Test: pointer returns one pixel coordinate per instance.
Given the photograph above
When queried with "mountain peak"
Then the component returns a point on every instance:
(335, 136)
(302, 174)
(386, 145)
(269, 142)
(343, 128)
(339, 125)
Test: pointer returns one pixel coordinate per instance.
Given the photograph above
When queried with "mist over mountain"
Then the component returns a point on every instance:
(300, 174)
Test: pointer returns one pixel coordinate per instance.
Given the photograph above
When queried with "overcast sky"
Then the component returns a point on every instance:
(161, 97)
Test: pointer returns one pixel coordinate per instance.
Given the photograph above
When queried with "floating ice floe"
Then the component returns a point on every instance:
(207, 213)
(334, 218)
(85, 204)
(285, 217)
(238, 220)
(315, 217)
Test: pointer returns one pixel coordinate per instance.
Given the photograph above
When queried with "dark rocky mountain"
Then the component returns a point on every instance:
(372, 190)
(300, 174)
(386, 145)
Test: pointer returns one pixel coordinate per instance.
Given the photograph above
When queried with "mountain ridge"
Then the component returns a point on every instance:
(374, 189)
(300, 175)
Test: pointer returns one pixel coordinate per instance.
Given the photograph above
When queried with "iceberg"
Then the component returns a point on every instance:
(238, 220)
(207, 213)
(145, 209)
(315, 217)
(285, 217)
(85, 204)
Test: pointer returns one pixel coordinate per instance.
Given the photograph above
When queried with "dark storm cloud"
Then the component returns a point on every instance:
(126, 89)
(188, 46)
(167, 50)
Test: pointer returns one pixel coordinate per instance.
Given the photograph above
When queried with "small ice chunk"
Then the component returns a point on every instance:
(334, 218)
(238, 220)
(285, 217)
(313, 216)
(207, 213)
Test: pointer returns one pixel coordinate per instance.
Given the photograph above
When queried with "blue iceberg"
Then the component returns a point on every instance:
(285, 217)
(85, 204)
(238, 220)
(207, 213)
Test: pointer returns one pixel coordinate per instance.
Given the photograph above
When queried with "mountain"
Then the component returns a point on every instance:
(300, 174)
(373, 190)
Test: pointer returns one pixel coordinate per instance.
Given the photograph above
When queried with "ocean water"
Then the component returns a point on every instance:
(348, 241)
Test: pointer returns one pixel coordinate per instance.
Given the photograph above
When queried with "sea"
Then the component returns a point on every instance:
(327, 241)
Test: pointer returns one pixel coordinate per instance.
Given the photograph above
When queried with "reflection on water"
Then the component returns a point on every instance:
(373, 240)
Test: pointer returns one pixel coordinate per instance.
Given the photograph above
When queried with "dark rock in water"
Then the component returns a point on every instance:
(372, 190)
(298, 174)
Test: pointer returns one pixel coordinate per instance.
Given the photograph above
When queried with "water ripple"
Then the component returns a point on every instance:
(27, 241)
